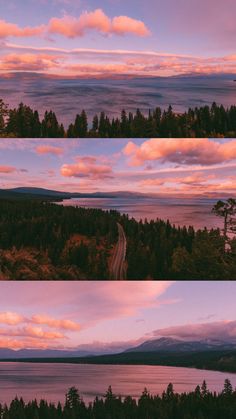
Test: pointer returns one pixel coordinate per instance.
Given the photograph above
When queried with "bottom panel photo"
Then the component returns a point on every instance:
(94, 349)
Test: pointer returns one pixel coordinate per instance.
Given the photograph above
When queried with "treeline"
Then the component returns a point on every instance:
(198, 404)
(205, 121)
(216, 360)
(41, 240)
(159, 250)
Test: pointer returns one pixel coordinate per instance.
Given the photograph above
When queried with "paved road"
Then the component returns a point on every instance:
(118, 262)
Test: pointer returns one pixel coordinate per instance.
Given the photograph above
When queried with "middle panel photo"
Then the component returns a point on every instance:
(123, 209)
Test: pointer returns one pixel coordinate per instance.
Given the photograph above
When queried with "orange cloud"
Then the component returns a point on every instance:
(60, 324)
(28, 343)
(11, 29)
(33, 332)
(47, 149)
(195, 183)
(72, 27)
(11, 318)
(124, 24)
(181, 151)
(87, 167)
(113, 61)
(7, 169)
(26, 62)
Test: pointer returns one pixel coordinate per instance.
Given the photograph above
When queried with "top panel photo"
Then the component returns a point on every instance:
(83, 68)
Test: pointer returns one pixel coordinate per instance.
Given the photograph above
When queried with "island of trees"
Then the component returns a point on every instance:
(43, 240)
(198, 404)
(205, 121)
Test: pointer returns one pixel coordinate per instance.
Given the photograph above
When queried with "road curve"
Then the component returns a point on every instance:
(118, 262)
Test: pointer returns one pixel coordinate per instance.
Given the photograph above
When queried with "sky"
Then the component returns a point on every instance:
(186, 167)
(118, 37)
(113, 315)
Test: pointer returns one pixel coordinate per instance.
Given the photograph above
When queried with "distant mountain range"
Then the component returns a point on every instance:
(43, 193)
(174, 345)
(37, 75)
(161, 345)
(6, 353)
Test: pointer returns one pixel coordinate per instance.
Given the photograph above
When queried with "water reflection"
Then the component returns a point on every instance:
(51, 381)
(67, 97)
(195, 212)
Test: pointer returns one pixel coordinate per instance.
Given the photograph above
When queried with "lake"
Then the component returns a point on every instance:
(51, 381)
(194, 211)
(67, 97)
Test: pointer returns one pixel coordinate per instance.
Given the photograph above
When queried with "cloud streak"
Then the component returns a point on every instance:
(7, 169)
(48, 149)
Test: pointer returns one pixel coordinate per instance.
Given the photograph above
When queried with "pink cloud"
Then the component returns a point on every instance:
(11, 29)
(29, 343)
(181, 151)
(62, 61)
(223, 330)
(39, 62)
(124, 24)
(7, 169)
(88, 167)
(33, 332)
(72, 27)
(48, 149)
(93, 303)
(196, 183)
(11, 318)
(60, 324)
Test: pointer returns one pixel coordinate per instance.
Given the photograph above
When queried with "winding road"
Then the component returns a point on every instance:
(118, 262)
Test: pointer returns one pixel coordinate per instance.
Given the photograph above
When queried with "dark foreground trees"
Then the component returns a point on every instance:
(198, 404)
(206, 121)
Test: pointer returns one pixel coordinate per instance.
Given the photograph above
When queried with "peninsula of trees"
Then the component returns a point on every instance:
(205, 121)
(198, 404)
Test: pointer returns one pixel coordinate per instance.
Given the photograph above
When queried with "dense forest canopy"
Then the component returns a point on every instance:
(205, 121)
(215, 359)
(198, 404)
(43, 240)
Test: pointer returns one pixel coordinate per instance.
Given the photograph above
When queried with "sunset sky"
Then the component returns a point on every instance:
(163, 166)
(91, 38)
(113, 315)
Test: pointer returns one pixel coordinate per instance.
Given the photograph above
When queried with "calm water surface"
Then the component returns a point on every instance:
(51, 381)
(68, 97)
(195, 212)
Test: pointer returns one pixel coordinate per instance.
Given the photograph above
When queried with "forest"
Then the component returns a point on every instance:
(198, 404)
(42, 240)
(206, 121)
(216, 360)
